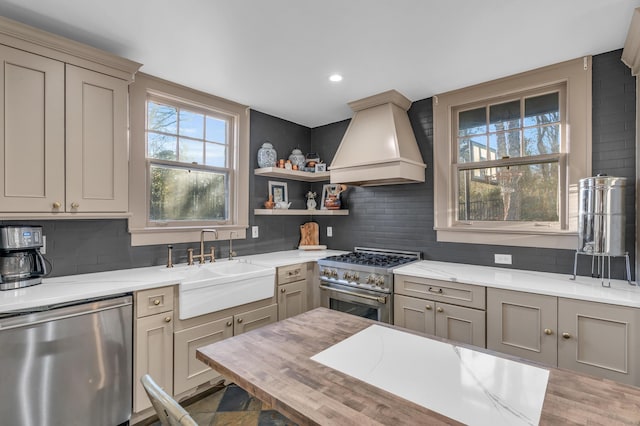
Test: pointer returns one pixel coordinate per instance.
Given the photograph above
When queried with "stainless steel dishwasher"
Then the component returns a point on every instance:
(67, 364)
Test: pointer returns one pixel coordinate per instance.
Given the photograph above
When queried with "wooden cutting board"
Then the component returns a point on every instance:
(309, 234)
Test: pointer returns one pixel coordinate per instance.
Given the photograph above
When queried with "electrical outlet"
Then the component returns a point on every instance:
(254, 232)
(504, 259)
(43, 249)
(329, 231)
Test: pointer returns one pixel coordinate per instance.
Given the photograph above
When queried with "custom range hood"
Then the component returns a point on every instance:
(379, 147)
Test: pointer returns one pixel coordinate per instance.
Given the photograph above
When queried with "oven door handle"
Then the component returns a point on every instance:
(379, 299)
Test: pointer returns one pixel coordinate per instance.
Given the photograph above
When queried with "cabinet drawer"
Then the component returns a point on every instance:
(472, 296)
(291, 273)
(154, 301)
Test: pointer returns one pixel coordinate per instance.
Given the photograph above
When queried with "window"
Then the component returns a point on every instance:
(189, 163)
(508, 152)
(513, 151)
(188, 157)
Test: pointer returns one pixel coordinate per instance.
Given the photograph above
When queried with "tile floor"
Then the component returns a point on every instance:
(232, 405)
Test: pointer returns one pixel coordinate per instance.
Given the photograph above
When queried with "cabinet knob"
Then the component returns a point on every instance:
(283, 290)
(439, 309)
(239, 320)
(548, 331)
(57, 204)
(167, 319)
(229, 323)
(428, 307)
(566, 336)
(156, 302)
(75, 205)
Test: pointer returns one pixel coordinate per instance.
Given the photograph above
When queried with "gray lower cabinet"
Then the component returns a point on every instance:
(453, 311)
(522, 324)
(293, 290)
(189, 372)
(451, 322)
(589, 337)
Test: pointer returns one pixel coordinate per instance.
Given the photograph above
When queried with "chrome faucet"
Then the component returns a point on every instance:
(202, 256)
(231, 252)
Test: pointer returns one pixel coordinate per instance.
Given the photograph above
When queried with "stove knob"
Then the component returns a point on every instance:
(346, 276)
(334, 273)
(380, 281)
(371, 279)
(355, 277)
(326, 272)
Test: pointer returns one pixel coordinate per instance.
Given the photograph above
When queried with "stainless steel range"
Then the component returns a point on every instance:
(361, 282)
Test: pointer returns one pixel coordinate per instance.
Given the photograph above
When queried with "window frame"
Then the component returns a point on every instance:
(143, 230)
(574, 160)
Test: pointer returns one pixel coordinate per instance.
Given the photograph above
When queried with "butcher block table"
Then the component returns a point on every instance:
(367, 373)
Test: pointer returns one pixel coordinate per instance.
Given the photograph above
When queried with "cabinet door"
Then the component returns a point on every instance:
(414, 314)
(292, 299)
(97, 156)
(153, 355)
(522, 324)
(461, 324)
(599, 339)
(257, 318)
(31, 132)
(188, 371)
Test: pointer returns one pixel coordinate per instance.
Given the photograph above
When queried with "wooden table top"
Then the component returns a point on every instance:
(273, 364)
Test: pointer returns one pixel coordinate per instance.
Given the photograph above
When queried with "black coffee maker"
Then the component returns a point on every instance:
(21, 263)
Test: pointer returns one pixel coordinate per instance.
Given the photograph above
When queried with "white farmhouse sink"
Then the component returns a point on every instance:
(216, 286)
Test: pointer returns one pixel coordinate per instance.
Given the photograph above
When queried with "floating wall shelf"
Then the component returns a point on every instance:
(300, 212)
(293, 174)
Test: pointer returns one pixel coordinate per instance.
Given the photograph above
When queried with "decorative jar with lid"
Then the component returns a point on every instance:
(267, 155)
(297, 158)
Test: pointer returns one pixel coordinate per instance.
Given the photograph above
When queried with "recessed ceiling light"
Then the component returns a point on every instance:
(335, 78)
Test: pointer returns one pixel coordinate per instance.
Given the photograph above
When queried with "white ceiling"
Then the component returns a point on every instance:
(276, 55)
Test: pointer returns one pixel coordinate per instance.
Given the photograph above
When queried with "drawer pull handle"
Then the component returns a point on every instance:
(566, 336)
(439, 291)
(439, 309)
(428, 307)
(239, 320)
(229, 323)
(167, 319)
(548, 331)
(156, 302)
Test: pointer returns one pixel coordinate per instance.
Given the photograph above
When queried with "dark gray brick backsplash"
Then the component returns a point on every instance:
(397, 216)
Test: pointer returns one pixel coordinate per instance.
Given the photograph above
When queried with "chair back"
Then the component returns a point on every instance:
(168, 410)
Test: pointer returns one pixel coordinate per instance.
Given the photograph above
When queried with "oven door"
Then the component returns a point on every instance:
(356, 301)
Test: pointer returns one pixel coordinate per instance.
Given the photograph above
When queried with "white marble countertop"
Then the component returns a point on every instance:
(469, 386)
(560, 285)
(99, 284)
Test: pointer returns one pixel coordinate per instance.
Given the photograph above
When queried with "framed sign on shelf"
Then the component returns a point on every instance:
(278, 190)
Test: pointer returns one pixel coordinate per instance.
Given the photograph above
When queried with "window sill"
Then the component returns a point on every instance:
(552, 239)
(155, 236)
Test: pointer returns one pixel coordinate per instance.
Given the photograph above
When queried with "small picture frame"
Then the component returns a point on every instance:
(279, 191)
(320, 167)
(326, 190)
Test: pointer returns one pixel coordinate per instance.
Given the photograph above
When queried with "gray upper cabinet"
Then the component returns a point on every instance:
(63, 126)
(97, 155)
(31, 131)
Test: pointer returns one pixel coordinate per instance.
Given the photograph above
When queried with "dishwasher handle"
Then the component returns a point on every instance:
(57, 313)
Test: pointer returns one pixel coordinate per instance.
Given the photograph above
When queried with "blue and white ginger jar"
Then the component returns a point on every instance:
(267, 155)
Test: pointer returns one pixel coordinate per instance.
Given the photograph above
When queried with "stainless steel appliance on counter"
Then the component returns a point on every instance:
(601, 224)
(67, 364)
(21, 264)
(361, 282)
